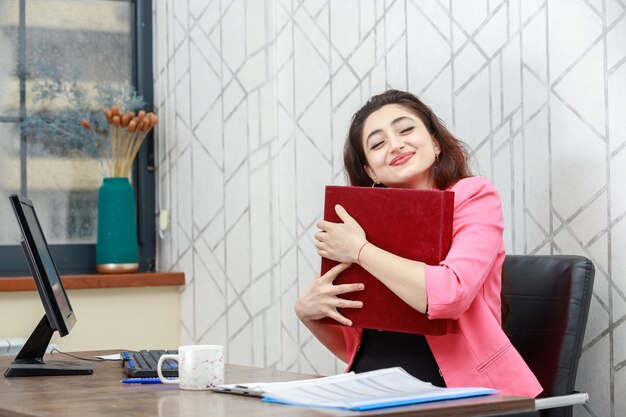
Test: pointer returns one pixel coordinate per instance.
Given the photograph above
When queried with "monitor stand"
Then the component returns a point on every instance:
(29, 362)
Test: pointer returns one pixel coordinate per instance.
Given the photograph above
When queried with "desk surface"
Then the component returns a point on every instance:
(102, 394)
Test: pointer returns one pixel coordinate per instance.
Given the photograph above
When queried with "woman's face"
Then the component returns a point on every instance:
(399, 149)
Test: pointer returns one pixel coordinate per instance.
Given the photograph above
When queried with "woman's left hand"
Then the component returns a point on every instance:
(340, 241)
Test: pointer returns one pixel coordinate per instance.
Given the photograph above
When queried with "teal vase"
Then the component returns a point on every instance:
(116, 247)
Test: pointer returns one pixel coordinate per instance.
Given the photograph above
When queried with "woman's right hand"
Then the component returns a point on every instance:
(320, 299)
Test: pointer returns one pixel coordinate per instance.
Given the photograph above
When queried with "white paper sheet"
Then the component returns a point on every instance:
(369, 390)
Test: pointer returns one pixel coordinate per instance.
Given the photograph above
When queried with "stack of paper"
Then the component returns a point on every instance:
(365, 391)
(257, 389)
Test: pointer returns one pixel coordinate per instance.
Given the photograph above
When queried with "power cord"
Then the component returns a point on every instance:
(84, 359)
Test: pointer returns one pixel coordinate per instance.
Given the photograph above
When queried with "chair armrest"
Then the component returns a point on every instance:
(561, 401)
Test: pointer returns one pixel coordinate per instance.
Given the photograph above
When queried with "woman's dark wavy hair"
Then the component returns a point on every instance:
(453, 162)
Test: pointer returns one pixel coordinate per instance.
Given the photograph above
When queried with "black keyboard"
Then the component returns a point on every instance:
(143, 364)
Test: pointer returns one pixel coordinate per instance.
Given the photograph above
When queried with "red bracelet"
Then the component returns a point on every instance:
(358, 256)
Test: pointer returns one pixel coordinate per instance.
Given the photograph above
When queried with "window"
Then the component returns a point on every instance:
(91, 42)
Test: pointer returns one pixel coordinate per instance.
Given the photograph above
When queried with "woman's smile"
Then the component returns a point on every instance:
(402, 158)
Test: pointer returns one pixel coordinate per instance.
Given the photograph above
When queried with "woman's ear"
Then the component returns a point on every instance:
(436, 146)
(370, 173)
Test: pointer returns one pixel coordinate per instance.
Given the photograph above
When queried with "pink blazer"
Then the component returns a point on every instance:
(465, 288)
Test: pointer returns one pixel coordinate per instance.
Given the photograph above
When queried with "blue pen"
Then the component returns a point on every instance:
(152, 380)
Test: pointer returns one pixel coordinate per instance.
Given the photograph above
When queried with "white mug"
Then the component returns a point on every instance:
(200, 367)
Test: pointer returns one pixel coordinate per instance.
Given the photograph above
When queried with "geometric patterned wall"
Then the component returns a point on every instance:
(255, 97)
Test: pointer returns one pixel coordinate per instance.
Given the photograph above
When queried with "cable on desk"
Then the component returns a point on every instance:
(84, 359)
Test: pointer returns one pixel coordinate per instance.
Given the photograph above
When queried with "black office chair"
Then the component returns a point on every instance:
(548, 299)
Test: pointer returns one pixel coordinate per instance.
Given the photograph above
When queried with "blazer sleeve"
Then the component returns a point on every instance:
(477, 231)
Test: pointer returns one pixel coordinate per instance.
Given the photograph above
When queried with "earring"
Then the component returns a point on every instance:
(375, 183)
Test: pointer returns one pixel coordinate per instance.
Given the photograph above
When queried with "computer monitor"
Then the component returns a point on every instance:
(58, 316)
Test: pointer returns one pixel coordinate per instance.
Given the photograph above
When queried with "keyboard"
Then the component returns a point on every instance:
(143, 364)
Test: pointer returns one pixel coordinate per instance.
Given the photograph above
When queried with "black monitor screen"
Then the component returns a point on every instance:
(59, 315)
(56, 302)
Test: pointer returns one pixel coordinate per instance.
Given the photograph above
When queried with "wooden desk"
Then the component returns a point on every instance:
(102, 394)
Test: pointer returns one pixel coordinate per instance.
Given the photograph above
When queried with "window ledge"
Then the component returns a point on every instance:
(72, 282)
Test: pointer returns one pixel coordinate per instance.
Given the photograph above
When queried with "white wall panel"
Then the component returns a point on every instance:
(255, 98)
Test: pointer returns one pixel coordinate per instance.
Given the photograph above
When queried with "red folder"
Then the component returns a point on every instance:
(413, 224)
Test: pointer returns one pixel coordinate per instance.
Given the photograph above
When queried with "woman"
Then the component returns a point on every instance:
(395, 140)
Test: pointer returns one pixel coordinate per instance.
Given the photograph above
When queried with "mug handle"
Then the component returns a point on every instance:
(160, 372)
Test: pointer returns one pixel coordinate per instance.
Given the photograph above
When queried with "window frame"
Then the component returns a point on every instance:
(81, 258)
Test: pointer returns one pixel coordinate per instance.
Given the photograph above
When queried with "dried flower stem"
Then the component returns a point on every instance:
(126, 133)
(96, 139)
(134, 149)
(107, 160)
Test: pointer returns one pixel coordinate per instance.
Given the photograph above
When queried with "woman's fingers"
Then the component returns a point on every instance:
(343, 303)
(346, 288)
(324, 225)
(342, 213)
(320, 298)
(342, 288)
(334, 314)
(335, 271)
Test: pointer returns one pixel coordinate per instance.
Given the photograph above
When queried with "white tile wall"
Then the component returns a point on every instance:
(255, 97)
